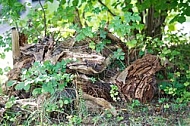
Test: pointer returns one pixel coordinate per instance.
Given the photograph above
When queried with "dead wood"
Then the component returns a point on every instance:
(138, 81)
(22, 39)
(100, 101)
(96, 89)
(15, 45)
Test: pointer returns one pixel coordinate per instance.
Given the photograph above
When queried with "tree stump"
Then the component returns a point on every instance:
(138, 81)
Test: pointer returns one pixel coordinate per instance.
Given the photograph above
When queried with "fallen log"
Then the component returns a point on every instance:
(138, 81)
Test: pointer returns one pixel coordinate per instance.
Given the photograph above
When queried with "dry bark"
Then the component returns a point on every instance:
(138, 81)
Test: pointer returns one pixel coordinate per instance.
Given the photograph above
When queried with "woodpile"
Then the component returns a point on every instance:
(136, 81)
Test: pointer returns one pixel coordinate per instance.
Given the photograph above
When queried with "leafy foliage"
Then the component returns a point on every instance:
(44, 77)
(175, 54)
(114, 92)
(83, 33)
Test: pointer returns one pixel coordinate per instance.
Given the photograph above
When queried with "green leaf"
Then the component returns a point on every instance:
(47, 87)
(75, 2)
(92, 45)
(140, 27)
(36, 91)
(26, 87)
(132, 43)
(166, 106)
(80, 37)
(10, 102)
(17, 4)
(105, 41)
(96, 10)
(87, 31)
(7, 69)
(9, 105)
(62, 86)
(50, 1)
(67, 101)
(11, 83)
(181, 19)
(127, 17)
(135, 17)
(20, 86)
(103, 33)
(119, 54)
(175, 52)
(100, 46)
(122, 57)
(172, 27)
(2, 55)
(187, 11)
(47, 63)
(166, 51)
(61, 103)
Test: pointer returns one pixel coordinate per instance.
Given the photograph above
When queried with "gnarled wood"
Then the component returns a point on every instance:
(138, 81)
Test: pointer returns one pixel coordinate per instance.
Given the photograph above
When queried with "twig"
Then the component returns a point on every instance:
(45, 27)
(107, 8)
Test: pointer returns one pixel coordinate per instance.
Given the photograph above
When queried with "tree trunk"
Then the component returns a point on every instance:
(153, 23)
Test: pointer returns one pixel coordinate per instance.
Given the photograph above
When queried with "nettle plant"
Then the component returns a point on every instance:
(43, 78)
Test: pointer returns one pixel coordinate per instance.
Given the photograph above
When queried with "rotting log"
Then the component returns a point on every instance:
(138, 81)
(95, 89)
